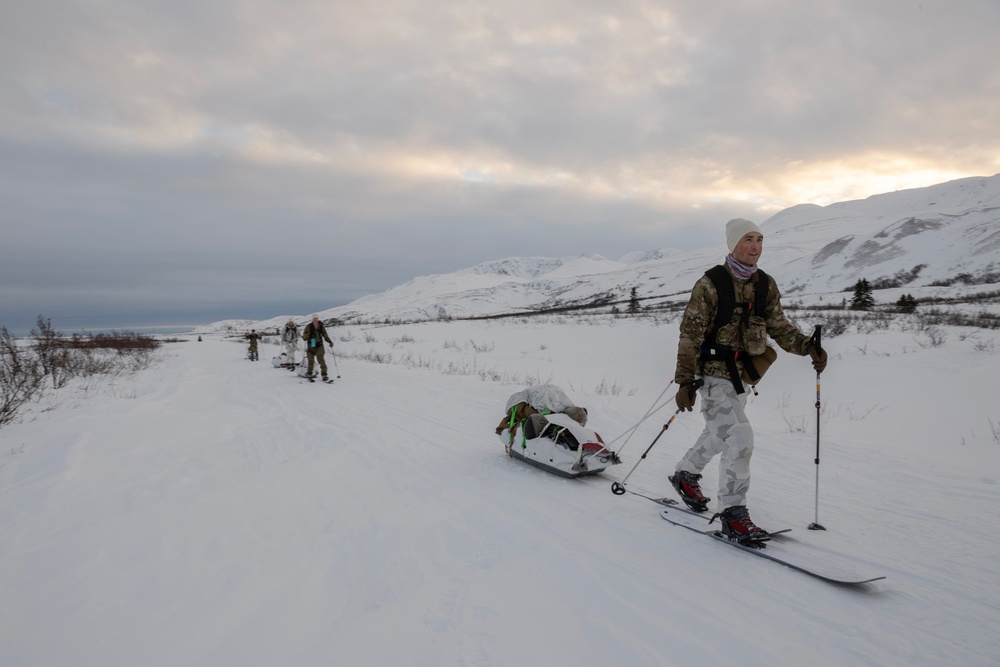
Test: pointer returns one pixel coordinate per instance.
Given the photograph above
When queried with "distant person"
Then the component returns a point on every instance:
(290, 337)
(253, 337)
(732, 311)
(314, 334)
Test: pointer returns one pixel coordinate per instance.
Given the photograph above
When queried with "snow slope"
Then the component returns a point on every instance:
(214, 511)
(816, 254)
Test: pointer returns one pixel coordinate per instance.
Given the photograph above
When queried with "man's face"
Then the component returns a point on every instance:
(748, 250)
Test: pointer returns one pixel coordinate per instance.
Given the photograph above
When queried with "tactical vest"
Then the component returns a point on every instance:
(313, 336)
(710, 348)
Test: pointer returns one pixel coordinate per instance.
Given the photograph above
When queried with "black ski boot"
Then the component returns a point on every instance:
(738, 527)
(686, 485)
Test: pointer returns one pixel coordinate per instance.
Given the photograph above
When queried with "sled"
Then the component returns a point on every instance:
(563, 448)
(281, 361)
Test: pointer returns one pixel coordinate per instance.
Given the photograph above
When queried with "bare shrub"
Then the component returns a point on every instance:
(373, 357)
(481, 347)
(835, 325)
(21, 377)
(796, 424)
(613, 389)
(984, 346)
(872, 322)
(25, 368)
(861, 415)
(934, 336)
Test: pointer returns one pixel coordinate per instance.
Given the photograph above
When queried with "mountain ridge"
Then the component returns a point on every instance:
(920, 238)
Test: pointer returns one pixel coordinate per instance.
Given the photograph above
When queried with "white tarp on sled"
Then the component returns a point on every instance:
(541, 397)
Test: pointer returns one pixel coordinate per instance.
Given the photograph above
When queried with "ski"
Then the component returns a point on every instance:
(685, 520)
(680, 507)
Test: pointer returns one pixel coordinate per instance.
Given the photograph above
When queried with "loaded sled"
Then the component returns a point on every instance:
(543, 428)
(281, 361)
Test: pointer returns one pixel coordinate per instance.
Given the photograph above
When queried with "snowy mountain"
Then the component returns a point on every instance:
(921, 240)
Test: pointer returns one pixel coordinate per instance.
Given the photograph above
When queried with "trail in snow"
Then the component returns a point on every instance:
(216, 511)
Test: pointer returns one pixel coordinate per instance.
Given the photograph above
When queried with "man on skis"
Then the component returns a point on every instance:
(715, 358)
(253, 337)
(314, 334)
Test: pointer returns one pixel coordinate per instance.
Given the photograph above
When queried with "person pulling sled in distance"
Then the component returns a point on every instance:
(732, 311)
(290, 337)
(253, 337)
(314, 334)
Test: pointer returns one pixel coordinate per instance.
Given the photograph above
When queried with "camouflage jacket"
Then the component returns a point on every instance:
(699, 319)
(318, 333)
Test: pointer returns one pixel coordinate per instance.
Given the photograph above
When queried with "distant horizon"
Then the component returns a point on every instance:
(74, 319)
(165, 329)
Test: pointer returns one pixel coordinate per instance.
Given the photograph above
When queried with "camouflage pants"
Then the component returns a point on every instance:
(727, 432)
(314, 354)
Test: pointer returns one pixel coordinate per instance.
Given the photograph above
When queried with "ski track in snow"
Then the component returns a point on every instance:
(213, 511)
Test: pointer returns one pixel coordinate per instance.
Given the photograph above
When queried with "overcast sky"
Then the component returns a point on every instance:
(194, 160)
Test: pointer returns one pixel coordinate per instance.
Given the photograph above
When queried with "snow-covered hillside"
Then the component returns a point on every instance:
(944, 234)
(212, 511)
(948, 229)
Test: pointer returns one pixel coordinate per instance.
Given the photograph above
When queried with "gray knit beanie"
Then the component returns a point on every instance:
(736, 229)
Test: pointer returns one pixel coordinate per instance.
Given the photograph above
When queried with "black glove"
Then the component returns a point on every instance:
(818, 357)
(685, 397)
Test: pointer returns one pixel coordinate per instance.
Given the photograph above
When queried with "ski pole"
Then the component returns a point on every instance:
(334, 355)
(618, 488)
(815, 525)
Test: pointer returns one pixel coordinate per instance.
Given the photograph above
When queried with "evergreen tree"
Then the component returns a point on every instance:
(907, 304)
(862, 299)
(633, 302)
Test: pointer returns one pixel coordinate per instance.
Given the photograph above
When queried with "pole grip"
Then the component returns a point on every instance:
(817, 337)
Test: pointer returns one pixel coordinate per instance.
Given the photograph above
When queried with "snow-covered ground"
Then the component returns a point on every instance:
(213, 511)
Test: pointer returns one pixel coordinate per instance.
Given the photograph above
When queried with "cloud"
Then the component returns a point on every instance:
(403, 136)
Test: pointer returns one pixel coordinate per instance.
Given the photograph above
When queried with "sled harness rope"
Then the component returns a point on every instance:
(653, 409)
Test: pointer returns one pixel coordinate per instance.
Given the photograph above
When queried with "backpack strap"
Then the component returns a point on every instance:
(727, 299)
(763, 287)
